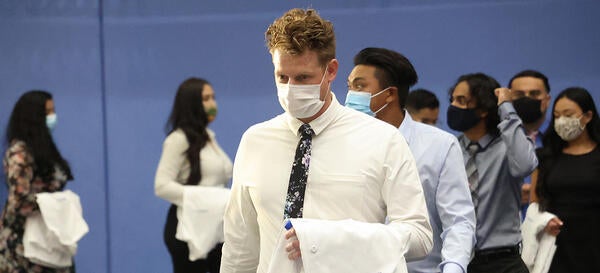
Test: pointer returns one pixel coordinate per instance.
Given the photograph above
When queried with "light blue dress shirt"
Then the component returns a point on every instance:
(440, 162)
(538, 144)
(502, 164)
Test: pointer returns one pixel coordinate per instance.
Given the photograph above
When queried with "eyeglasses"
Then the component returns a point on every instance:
(461, 100)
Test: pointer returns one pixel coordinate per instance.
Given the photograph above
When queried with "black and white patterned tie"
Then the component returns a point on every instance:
(295, 195)
(472, 173)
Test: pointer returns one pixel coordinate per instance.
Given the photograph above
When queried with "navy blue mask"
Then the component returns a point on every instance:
(528, 109)
(460, 119)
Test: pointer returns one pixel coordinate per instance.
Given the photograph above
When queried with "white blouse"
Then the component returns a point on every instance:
(174, 168)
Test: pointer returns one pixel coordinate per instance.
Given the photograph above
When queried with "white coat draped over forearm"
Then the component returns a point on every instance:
(330, 246)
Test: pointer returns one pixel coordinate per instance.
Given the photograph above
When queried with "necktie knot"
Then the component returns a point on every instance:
(306, 131)
(473, 148)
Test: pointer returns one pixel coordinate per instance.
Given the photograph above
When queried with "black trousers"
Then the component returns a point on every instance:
(499, 262)
(180, 253)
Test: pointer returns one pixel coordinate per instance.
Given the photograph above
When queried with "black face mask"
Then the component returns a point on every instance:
(528, 109)
(461, 119)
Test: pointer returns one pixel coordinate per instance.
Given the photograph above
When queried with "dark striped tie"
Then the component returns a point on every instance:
(472, 173)
(295, 195)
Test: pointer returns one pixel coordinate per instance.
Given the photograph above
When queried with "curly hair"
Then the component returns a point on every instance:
(481, 88)
(298, 31)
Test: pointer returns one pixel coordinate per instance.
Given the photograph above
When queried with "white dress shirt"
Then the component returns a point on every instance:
(174, 168)
(442, 172)
(360, 169)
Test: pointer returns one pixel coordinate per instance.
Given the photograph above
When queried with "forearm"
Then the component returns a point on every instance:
(242, 247)
(171, 163)
(408, 216)
(458, 243)
(20, 177)
(520, 149)
(25, 203)
(456, 211)
(403, 193)
(170, 191)
(418, 236)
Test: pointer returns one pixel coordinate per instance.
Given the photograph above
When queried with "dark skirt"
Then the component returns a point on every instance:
(180, 253)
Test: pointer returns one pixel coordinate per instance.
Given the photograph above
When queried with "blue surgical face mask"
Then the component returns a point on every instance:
(361, 101)
(51, 120)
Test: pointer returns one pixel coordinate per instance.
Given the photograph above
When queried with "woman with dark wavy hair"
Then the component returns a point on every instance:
(190, 157)
(32, 164)
(568, 182)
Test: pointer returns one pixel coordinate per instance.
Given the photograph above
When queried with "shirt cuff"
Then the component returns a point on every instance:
(451, 267)
(505, 110)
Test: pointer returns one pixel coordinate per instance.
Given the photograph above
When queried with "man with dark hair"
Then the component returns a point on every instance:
(379, 82)
(531, 98)
(423, 106)
(498, 155)
(352, 175)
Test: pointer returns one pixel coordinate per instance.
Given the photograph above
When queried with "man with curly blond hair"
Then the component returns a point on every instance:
(321, 166)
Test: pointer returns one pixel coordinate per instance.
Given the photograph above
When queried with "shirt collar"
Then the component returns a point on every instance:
(407, 126)
(483, 141)
(320, 123)
(210, 133)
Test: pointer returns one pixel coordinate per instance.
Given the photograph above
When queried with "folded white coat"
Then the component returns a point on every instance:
(51, 236)
(341, 247)
(538, 245)
(201, 219)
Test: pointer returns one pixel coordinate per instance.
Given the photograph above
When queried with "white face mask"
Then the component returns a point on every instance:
(301, 100)
(568, 128)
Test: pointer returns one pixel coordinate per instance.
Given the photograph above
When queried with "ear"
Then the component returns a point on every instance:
(587, 117)
(332, 69)
(546, 102)
(392, 94)
(483, 114)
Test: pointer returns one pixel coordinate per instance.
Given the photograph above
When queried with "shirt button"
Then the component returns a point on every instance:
(314, 249)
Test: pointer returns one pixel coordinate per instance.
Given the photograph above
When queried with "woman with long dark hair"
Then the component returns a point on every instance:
(568, 182)
(190, 157)
(32, 165)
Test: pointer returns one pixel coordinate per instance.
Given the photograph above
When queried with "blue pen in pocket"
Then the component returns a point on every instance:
(298, 266)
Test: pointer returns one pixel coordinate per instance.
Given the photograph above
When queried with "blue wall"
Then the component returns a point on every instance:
(114, 66)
